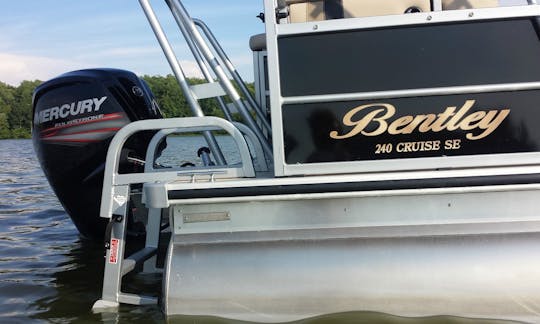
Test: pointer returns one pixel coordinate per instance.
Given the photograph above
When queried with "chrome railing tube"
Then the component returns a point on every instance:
(220, 73)
(180, 76)
(203, 65)
(234, 73)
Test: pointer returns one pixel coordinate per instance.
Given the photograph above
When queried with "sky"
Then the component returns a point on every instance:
(42, 39)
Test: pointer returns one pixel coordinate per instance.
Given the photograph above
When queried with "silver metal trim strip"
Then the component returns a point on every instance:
(358, 177)
(413, 164)
(376, 232)
(412, 92)
(432, 17)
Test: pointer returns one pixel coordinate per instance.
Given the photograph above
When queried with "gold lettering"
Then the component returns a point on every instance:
(420, 119)
(403, 121)
(436, 145)
(426, 125)
(468, 122)
(454, 144)
(438, 126)
(408, 147)
(453, 122)
(388, 111)
(376, 121)
(490, 123)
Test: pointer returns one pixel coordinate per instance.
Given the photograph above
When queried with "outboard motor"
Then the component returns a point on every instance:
(75, 117)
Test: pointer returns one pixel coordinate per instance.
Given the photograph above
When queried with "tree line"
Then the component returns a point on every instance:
(16, 109)
(16, 103)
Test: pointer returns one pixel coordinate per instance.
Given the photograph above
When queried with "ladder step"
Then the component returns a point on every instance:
(134, 299)
(130, 263)
(207, 90)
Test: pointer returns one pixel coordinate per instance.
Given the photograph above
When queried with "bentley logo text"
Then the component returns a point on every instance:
(378, 120)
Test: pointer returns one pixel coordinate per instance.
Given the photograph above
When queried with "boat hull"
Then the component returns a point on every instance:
(453, 251)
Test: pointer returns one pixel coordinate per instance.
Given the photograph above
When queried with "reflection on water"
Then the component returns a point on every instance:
(348, 318)
(47, 274)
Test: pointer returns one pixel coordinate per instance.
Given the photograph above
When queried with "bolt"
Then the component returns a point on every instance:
(429, 18)
(315, 27)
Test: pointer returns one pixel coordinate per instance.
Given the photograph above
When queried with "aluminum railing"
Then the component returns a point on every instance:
(207, 61)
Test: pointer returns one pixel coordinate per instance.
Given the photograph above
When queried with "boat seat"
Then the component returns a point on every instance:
(468, 4)
(304, 11)
(257, 42)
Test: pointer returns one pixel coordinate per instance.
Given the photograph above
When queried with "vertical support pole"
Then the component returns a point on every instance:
(257, 78)
(180, 76)
(152, 237)
(276, 99)
(112, 278)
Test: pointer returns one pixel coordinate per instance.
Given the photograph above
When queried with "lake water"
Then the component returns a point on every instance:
(48, 274)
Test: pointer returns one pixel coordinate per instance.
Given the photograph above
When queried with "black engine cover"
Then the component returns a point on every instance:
(75, 117)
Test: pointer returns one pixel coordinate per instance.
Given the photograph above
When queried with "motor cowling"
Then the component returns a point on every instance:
(75, 117)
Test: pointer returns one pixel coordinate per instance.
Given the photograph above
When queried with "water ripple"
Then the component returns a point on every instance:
(47, 273)
(36, 235)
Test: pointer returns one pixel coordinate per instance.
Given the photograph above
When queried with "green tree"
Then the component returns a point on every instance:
(5, 130)
(20, 117)
(6, 102)
(168, 95)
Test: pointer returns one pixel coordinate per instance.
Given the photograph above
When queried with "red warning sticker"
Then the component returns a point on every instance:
(113, 257)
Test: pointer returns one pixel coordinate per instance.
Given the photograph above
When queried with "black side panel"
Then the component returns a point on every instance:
(427, 56)
(457, 125)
